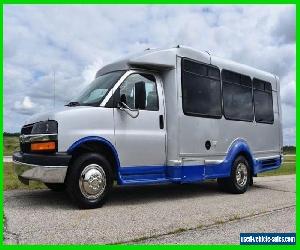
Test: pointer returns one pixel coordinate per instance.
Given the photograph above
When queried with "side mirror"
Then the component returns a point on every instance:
(140, 95)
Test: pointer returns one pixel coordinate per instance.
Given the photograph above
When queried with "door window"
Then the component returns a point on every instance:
(139, 91)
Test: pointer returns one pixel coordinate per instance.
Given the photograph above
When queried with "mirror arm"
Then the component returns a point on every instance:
(121, 107)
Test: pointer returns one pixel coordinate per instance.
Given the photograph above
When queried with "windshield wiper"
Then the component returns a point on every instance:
(72, 104)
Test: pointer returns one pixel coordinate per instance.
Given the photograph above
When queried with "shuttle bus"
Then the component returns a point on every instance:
(160, 116)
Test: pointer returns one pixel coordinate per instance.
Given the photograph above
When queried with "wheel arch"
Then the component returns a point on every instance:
(240, 147)
(95, 144)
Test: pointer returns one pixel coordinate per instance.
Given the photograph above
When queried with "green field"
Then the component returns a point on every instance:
(10, 144)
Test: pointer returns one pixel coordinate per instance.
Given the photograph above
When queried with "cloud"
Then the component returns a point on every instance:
(74, 41)
(89, 71)
(285, 29)
(26, 106)
(288, 93)
(288, 88)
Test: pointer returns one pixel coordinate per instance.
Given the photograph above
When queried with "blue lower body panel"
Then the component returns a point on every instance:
(267, 165)
(136, 175)
(143, 175)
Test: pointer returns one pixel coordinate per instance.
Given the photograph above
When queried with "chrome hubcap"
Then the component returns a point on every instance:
(92, 181)
(241, 174)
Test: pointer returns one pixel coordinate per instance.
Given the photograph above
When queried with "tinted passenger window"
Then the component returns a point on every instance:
(147, 99)
(263, 101)
(237, 96)
(201, 89)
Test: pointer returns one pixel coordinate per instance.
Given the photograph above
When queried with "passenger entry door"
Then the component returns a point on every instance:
(140, 133)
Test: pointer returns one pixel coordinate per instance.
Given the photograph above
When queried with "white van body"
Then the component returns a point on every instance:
(168, 144)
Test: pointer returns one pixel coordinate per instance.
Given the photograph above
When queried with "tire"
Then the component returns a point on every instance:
(89, 180)
(239, 179)
(56, 187)
(222, 183)
(251, 181)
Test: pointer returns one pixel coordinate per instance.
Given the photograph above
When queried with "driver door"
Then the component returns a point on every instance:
(140, 141)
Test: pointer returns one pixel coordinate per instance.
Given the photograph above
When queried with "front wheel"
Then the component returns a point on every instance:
(89, 180)
(239, 179)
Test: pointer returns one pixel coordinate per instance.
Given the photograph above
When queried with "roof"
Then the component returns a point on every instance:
(165, 59)
(158, 59)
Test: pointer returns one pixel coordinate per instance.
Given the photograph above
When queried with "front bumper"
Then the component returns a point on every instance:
(40, 167)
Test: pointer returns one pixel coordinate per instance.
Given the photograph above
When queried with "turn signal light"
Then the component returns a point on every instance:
(43, 146)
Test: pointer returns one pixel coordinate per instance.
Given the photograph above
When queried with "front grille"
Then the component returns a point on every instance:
(26, 130)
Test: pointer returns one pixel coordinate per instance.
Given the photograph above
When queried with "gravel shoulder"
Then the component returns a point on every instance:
(151, 214)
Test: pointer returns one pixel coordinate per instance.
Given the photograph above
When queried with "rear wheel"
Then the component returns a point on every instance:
(89, 180)
(56, 187)
(239, 179)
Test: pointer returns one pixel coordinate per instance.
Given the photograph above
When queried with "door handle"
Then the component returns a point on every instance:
(161, 121)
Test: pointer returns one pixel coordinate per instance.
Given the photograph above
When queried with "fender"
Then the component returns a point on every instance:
(102, 141)
(223, 169)
(239, 146)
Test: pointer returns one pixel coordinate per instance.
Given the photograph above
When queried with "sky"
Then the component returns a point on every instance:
(73, 41)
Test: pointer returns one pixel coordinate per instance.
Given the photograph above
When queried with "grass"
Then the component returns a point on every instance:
(10, 144)
(286, 168)
(289, 158)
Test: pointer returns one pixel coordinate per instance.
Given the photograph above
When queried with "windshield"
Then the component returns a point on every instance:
(95, 92)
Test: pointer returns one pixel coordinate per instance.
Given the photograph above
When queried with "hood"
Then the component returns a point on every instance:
(50, 115)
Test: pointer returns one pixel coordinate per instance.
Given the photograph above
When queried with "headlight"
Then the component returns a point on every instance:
(45, 127)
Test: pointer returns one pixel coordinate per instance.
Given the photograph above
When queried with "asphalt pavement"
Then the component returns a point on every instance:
(164, 214)
(278, 220)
